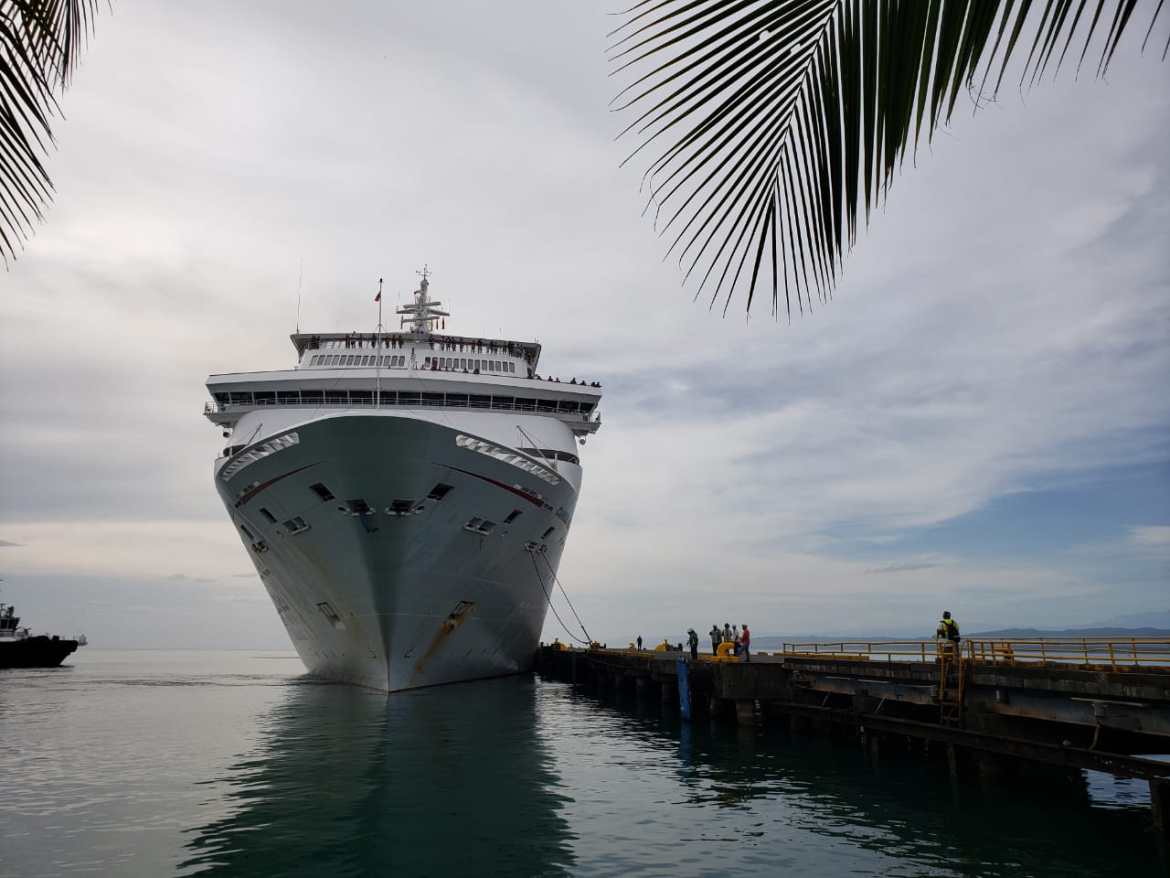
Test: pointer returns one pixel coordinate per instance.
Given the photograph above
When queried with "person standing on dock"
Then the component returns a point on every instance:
(716, 636)
(745, 640)
(693, 643)
(639, 643)
(948, 628)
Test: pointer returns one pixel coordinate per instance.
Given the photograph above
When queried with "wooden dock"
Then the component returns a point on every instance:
(992, 706)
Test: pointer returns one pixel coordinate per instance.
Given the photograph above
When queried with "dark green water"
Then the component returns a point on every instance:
(157, 763)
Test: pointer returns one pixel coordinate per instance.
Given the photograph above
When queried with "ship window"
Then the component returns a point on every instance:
(295, 525)
(462, 363)
(247, 532)
(567, 406)
(313, 360)
(408, 398)
(358, 507)
(312, 396)
(526, 405)
(473, 524)
(432, 399)
(547, 533)
(546, 405)
(366, 360)
(268, 516)
(427, 363)
(502, 402)
(288, 397)
(389, 397)
(321, 491)
(439, 491)
(480, 402)
(457, 400)
(336, 396)
(401, 507)
(513, 515)
(586, 408)
(361, 397)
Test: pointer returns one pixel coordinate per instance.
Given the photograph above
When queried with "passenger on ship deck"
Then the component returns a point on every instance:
(716, 636)
(693, 643)
(745, 641)
(639, 643)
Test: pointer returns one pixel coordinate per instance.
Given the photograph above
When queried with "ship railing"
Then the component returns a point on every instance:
(411, 400)
(1105, 653)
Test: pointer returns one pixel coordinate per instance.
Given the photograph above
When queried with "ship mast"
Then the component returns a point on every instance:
(424, 312)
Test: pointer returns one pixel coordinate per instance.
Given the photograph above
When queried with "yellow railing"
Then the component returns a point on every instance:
(1129, 653)
(1114, 653)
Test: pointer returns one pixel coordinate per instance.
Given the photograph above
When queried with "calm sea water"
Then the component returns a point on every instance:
(157, 763)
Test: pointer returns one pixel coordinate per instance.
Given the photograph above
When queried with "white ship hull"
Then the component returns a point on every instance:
(397, 601)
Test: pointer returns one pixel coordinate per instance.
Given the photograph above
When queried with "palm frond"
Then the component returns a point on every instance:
(774, 123)
(40, 42)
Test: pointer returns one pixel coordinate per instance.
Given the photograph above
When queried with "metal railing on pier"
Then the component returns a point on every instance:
(1111, 653)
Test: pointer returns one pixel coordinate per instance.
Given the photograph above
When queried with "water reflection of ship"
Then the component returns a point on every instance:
(450, 780)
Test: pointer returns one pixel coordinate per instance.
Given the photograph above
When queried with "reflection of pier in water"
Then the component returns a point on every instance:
(345, 781)
(898, 806)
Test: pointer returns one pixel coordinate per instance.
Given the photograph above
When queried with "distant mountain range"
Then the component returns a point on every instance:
(1050, 634)
(767, 642)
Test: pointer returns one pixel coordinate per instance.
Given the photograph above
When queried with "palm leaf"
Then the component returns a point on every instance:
(40, 42)
(771, 123)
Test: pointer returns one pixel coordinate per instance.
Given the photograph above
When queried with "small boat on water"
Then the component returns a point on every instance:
(20, 649)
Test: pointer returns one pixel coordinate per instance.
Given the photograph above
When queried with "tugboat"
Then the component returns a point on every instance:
(19, 649)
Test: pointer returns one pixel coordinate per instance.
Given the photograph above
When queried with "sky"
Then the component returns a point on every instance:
(977, 420)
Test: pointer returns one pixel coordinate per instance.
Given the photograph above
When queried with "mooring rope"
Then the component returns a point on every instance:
(540, 579)
(565, 593)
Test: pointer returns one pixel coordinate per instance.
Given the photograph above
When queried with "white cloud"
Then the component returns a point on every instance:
(1151, 535)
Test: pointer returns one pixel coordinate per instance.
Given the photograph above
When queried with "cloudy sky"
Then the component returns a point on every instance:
(979, 419)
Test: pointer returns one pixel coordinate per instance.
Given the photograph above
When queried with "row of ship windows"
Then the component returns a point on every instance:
(401, 397)
(398, 361)
(361, 507)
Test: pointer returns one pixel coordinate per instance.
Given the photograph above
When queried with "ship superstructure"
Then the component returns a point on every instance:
(405, 496)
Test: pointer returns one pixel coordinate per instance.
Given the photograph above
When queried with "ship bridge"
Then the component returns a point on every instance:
(419, 365)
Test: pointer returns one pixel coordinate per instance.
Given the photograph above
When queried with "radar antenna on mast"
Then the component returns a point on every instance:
(424, 312)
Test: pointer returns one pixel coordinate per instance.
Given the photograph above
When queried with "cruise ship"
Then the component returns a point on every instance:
(405, 496)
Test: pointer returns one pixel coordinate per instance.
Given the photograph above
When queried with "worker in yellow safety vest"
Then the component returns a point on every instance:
(948, 628)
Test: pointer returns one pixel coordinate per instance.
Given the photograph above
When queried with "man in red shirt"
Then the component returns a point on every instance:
(746, 643)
